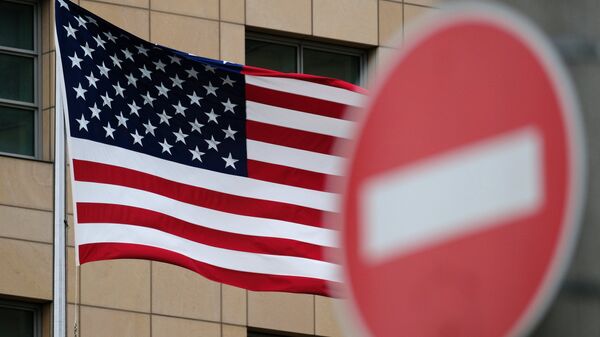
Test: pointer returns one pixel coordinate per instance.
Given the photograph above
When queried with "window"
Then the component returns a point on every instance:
(289, 55)
(19, 64)
(19, 319)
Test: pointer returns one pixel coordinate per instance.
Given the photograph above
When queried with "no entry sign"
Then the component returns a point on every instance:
(465, 184)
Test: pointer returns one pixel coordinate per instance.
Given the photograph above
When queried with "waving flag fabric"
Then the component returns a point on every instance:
(212, 166)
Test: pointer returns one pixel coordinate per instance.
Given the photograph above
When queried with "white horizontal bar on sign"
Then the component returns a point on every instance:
(291, 157)
(453, 194)
(306, 88)
(299, 120)
(88, 192)
(251, 188)
(220, 257)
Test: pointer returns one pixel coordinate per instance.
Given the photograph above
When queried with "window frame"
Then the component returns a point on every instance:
(262, 332)
(36, 55)
(301, 44)
(26, 306)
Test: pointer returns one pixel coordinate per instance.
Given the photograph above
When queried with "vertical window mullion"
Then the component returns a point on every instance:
(37, 129)
(300, 58)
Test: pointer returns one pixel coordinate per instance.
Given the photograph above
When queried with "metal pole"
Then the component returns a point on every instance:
(59, 286)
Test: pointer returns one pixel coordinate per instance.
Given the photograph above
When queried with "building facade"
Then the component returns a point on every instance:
(336, 38)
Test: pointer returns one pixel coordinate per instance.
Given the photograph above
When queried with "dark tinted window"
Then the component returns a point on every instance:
(18, 76)
(330, 64)
(282, 55)
(16, 25)
(273, 56)
(16, 131)
(18, 72)
(18, 320)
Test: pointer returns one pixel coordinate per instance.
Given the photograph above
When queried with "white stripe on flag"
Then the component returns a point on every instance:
(220, 257)
(452, 194)
(306, 88)
(299, 120)
(101, 153)
(87, 192)
(287, 156)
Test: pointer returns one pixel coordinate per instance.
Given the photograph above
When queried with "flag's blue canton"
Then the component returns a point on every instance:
(124, 91)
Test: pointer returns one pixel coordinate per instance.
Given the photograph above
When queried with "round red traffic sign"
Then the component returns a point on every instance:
(464, 188)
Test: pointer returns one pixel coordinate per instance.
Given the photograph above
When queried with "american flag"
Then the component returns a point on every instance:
(209, 165)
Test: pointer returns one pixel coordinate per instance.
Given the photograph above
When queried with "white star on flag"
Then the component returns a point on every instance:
(103, 70)
(229, 133)
(210, 89)
(99, 42)
(109, 130)
(95, 111)
(137, 138)
(106, 100)
(92, 80)
(83, 123)
(122, 120)
(196, 126)
(75, 61)
(194, 99)
(70, 31)
(229, 161)
(180, 136)
(164, 118)
(212, 143)
(80, 91)
(87, 50)
(133, 108)
(192, 73)
(212, 116)
(166, 147)
(196, 154)
(229, 106)
(149, 128)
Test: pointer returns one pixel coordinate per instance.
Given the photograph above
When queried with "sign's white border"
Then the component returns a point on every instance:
(521, 28)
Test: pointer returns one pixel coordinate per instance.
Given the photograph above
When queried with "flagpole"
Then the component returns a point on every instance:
(59, 285)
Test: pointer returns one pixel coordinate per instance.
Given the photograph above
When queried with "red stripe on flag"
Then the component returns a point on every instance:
(288, 176)
(332, 82)
(119, 214)
(115, 175)
(294, 102)
(283, 136)
(252, 281)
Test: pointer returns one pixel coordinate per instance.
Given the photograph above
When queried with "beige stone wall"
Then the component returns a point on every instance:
(143, 298)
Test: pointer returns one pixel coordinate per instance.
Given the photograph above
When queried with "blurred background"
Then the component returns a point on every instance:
(574, 28)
